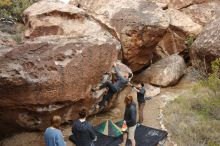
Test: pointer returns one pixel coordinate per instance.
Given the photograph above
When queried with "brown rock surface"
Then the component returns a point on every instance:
(56, 18)
(181, 26)
(138, 24)
(179, 4)
(206, 47)
(161, 3)
(182, 22)
(173, 42)
(50, 75)
(6, 43)
(165, 72)
(203, 13)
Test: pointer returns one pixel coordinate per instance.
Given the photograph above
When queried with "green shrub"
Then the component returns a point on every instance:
(213, 80)
(189, 41)
(11, 10)
(17, 37)
(194, 117)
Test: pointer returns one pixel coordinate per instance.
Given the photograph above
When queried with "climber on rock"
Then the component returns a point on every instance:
(115, 87)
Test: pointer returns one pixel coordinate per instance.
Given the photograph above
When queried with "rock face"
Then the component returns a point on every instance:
(161, 3)
(183, 22)
(206, 47)
(138, 24)
(164, 72)
(173, 42)
(54, 73)
(203, 13)
(181, 26)
(6, 43)
(48, 17)
(179, 4)
(41, 78)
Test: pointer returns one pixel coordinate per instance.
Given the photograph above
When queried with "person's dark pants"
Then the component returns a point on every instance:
(111, 90)
(71, 138)
(141, 111)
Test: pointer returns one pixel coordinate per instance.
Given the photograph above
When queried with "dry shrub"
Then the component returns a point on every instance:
(193, 119)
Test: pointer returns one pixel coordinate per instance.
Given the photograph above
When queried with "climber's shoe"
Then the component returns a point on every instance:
(93, 90)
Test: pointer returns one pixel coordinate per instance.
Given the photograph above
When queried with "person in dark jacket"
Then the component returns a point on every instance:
(141, 101)
(83, 133)
(53, 136)
(130, 119)
(120, 83)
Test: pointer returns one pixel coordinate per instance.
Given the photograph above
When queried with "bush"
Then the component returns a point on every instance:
(11, 10)
(189, 41)
(194, 117)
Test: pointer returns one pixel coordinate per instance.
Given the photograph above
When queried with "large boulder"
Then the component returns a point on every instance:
(206, 47)
(179, 4)
(51, 76)
(56, 18)
(165, 72)
(175, 40)
(182, 22)
(53, 73)
(203, 13)
(138, 24)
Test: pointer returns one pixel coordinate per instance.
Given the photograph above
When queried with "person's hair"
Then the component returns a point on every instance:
(56, 121)
(129, 75)
(82, 113)
(128, 100)
(142, 84)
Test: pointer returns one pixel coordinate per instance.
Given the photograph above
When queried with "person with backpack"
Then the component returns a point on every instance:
(83, 133)
(141, 101)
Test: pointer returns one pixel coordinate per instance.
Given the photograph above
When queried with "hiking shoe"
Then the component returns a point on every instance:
(93, 90)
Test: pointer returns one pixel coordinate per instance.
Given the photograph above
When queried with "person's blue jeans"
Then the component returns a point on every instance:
(111, 90)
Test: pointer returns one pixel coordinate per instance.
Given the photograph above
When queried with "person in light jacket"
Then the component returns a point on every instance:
(53, 136)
